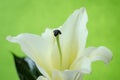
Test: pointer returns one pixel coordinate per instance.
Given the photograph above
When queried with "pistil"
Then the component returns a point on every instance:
(56, 34)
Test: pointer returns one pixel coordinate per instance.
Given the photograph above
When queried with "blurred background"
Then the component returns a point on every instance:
(33, 16)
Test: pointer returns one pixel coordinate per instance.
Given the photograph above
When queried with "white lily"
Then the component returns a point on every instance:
(63, 57)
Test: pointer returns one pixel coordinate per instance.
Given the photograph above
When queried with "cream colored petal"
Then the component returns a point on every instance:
(100, 53)
(83, 64)
(74, 34)
(90, 55)
(39, 48)
(42, 78)
(67, 75)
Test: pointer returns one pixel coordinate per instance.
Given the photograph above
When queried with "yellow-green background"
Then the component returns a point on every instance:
(33, 16)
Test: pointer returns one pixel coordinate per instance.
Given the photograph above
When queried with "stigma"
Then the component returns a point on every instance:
(56, 32)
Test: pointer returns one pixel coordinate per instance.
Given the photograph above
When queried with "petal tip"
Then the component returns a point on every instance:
(83, 9)
(108, 51)
(102, 53)
(9, 38)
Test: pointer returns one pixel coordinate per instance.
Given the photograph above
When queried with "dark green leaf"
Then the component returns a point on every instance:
(26, 68)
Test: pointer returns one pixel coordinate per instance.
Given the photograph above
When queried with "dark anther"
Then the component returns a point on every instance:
(56, 32)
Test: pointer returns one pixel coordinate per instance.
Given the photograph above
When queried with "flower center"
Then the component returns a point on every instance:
(56, 34)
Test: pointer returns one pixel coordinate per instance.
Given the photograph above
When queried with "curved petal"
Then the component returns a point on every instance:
(83, 64)
(74, 34)
(100, 53)
(39, 48)
(42, 78)
(90, 55)
(67, 75)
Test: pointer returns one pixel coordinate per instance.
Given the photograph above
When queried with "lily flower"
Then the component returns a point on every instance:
(60, 53)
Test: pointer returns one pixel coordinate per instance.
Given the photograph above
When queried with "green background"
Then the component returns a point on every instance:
(33, 16)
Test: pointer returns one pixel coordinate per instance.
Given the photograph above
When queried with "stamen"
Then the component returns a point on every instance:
(56, 34)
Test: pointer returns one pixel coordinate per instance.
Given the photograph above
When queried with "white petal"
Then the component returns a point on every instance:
(39, 48)
(100, 53)
(74, 34)
(83, 64)
(67, 75)
(90, 55)
(42, 78)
